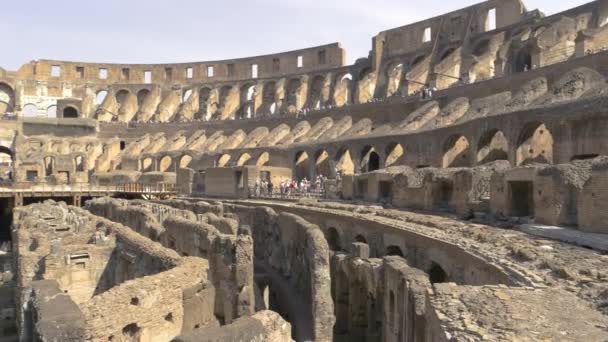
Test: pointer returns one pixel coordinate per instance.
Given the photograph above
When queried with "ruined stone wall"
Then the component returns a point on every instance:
(208, 236)
(264, 326)
(299, 260)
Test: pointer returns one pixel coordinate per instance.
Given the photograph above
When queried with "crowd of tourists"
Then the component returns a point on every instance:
(289, 188)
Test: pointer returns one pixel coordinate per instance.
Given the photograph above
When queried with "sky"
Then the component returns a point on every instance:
(155, 31)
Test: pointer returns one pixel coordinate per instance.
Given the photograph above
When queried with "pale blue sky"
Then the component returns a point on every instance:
(153, 31)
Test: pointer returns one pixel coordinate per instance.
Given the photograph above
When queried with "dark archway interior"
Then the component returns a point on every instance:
(6, 218)
(437, 274)
(70, 112)
(523, 61)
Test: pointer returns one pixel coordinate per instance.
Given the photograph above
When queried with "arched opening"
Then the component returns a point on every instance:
(535, 145)
(394, 251)
(187, 95)
(322, 164)
(360, 238)
(263, 159)
(370, 160)
(7, 99)
(492, 146)
(79, 163)
(268, 98)
(316, 92)
(204, 95)
(447, 53)
(6, 164)
(185, 161)
(49, 165)
(165, 164)
(121, 96)
(481, 48)
(247, 102)
(222, 160)
(51, 111)
(523, 60)
(417, 61)
(333, 239)
(100, 97)
(146, 165)
(244, 158)
(437, 274)
(394, 154)
(344, 162)
(141, 97)
(70, 112)
(343, 90)
(456, 152)
(302, 165)
(394, 73)
(30, 110)
(294, 87)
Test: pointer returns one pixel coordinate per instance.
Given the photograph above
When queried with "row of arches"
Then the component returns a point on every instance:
(31, 110)
(337, 243)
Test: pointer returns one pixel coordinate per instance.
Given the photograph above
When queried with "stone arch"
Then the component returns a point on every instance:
(204, 95)
(263, 159)
(30, 110)
(222, 160)
(316, 99)
(523, 60)
(243, 159)
(394, 154)
(480, 48)
(121, 96)
(7, 160)
(323, 163)
(247, 108)
(333, 239)
(165, 164)
(394, 75)
(370, 159)
(51, 111)
(293, 97)
(70, 112)
(7, 99)
(417, 60)
(437, 274)
(302, 165)
(79, 163)
(186, 95)
(360, 238)
(394, 251)
(344, 162)
(492, 146)
(146, 164)
(343, 89)
(49, 165)
(269, 98)
(446, 53)
(456, 152)
(100, 96)
(535, 145)
(185, 161)
(141, 96)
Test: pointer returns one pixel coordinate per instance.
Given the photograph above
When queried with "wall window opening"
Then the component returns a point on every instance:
(55, 71)
(426, 37)
(103, 74)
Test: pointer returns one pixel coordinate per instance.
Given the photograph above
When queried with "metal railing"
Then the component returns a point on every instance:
(131, 188)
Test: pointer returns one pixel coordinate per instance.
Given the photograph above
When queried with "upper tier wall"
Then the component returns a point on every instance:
(275, 65)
